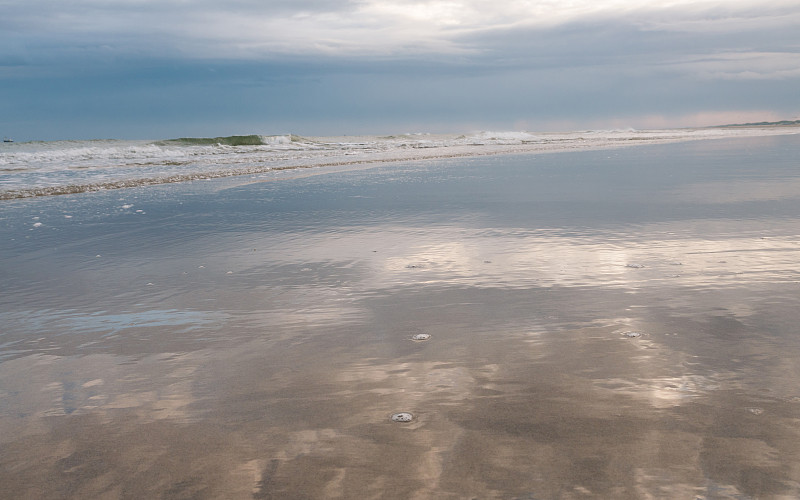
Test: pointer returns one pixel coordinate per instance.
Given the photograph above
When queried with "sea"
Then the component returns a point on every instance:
(42, 168)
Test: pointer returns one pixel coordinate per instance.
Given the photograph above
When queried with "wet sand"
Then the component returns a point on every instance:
(252, 337)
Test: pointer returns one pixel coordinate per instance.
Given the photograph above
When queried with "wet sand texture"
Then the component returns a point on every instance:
(606, 324)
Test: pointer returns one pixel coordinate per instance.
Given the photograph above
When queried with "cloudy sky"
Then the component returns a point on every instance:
(167, 68)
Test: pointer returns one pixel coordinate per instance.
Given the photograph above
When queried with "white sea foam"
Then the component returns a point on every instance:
(48, 168)
(274, 140)
(501, 138)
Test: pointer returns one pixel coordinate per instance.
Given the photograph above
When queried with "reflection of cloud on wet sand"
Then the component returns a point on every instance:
(721, 254)
(663, 392)
(412, 381)
(581, 412)
(517, 404)
(739, 191)
(37, 387)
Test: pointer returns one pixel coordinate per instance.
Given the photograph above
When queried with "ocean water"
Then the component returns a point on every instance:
(617, 323)
(60, 167)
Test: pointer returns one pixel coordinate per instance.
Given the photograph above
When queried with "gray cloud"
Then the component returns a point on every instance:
(423, 64)
(679, 37)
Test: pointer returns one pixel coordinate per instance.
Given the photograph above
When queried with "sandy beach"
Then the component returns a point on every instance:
(614, 323)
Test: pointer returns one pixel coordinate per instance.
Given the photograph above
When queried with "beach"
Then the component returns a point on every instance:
(606, 322)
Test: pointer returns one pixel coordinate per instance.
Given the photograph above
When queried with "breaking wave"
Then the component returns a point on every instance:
(233, 140)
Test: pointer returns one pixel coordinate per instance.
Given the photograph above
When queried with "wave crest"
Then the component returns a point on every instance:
(231, 140)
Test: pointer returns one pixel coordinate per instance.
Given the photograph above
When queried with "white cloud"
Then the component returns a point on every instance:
(248, 28)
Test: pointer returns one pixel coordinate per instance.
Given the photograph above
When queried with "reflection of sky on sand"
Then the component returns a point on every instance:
(662, 392)
(739, 191)
(516, 258)
(64, 322)
(414, 381)
(266, 357)
(38, 387)
(584, 409)
(54, 331)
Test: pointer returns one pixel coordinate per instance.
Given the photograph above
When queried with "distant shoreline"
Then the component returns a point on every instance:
(782, 123)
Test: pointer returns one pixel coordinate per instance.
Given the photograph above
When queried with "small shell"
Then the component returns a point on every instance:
(419, 337)
(402, 417)
(632, 335)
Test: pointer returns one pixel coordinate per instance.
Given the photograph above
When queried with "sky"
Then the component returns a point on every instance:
(152, 69)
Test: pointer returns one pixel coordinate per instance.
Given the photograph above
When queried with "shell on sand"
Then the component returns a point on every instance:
(402, 417)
